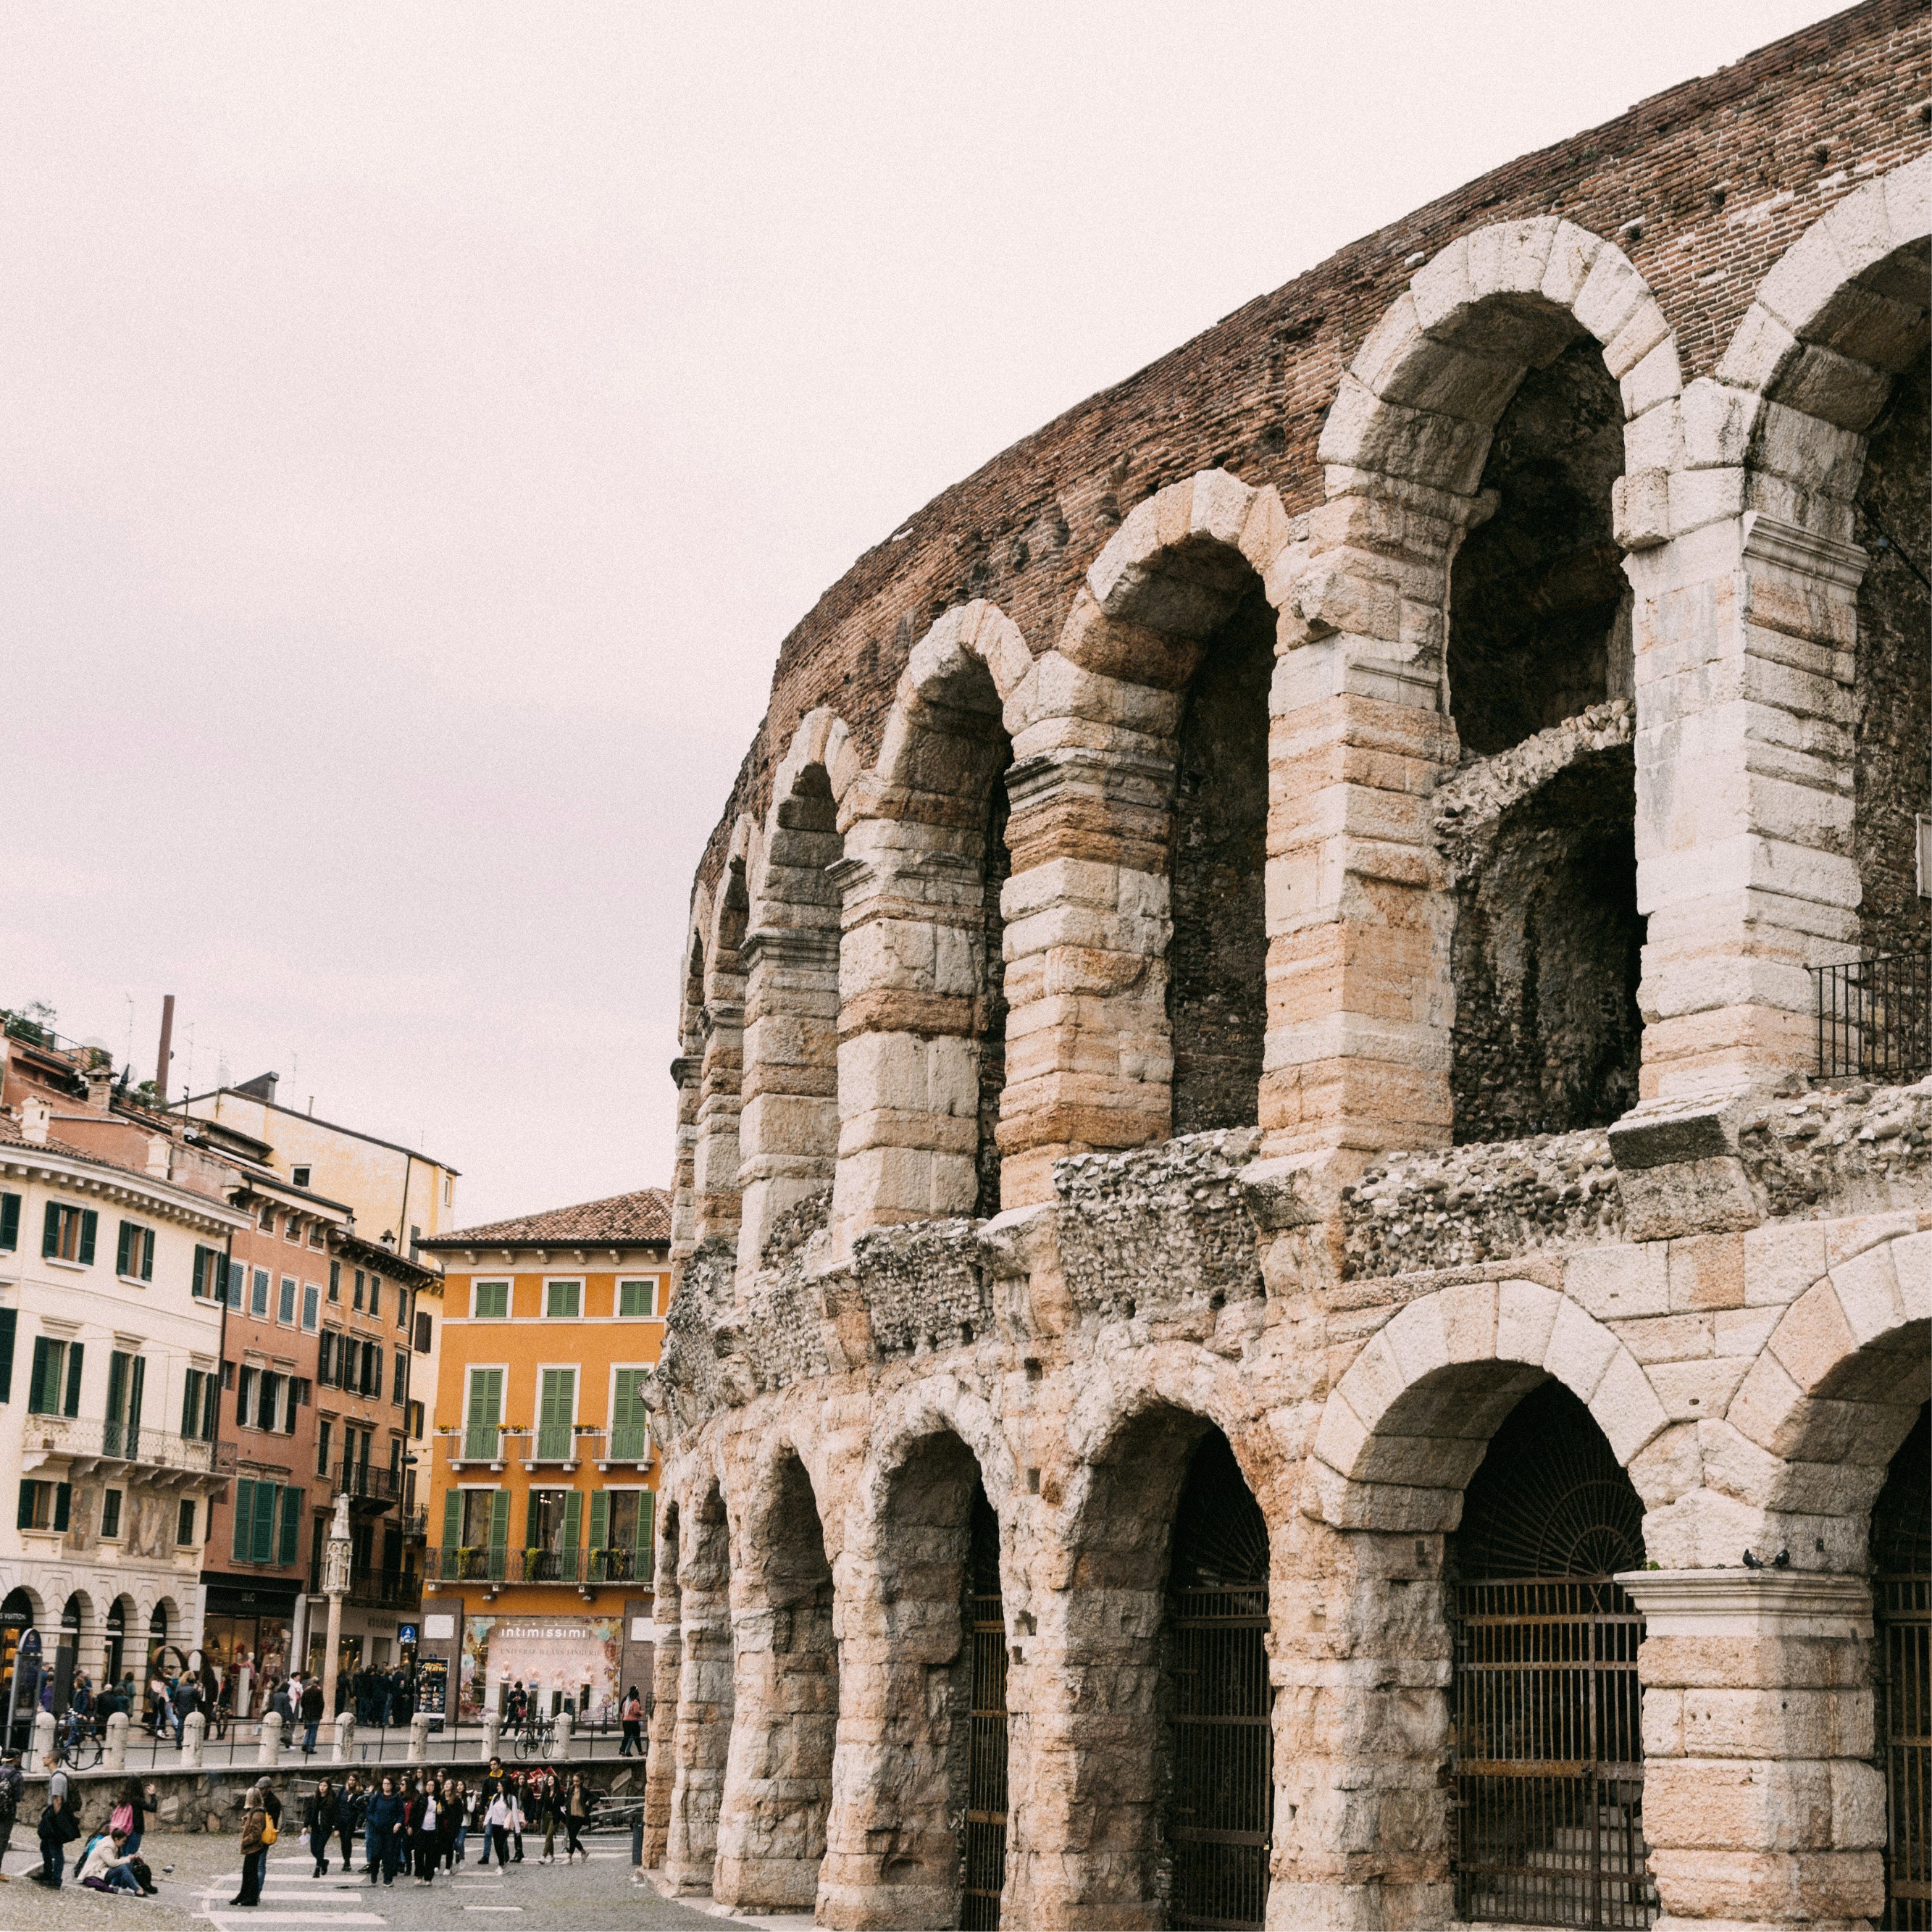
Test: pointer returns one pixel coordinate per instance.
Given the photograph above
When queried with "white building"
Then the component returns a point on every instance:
(110, 1363)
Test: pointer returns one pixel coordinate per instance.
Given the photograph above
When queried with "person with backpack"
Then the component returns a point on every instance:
(131, 1806)
(58, 1830)
(13, 1787)
(258, 1834)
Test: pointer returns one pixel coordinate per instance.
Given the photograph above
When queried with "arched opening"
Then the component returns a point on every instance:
(67, 1640)
(778, 1786)
(1891, 689)
(717, 1159)
(1549, 942)
(983, 1876)
(706, 1697)
(1546, 1710)
(1220, 1798)
(996, 865)
(19, 1665)
(667, 1677)
(908, 1848)
(1217, 961)
(114, 1657)
(1902, 1600)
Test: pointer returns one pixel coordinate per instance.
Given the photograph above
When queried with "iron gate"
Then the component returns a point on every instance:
(1902, 1597)
(1547, 1725)
(983, 1842)
(1222, 1811)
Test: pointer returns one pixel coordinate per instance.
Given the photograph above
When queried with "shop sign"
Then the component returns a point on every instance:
(563, 1657)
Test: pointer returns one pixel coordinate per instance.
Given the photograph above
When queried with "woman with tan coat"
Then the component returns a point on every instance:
(255, 1843)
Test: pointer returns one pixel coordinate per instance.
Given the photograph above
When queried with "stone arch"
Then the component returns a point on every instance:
(716, 1158)
(922, 1034)
(1801, 453)
(687, 1072)
(705, 1687)
(778, 1782)
(667, 1676)
(1102, 1711)
(893, 1850)
(1527, 363)
(789, 1129)
(1806, 1442)
(1406, 1425)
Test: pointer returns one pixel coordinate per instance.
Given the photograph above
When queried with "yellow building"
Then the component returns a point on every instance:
(543, 1478)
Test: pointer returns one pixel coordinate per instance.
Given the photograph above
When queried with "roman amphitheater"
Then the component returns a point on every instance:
(1304, 1211)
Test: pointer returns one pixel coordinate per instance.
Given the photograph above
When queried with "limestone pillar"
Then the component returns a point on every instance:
(1761, 1803)
(702, 1741)
(716, 1157)
(911, 979)
(686, 1071)
(789, 1129)
(270, 1751)
(114, 1750)
(1361, 997)
(194, 1730)
(342, 1747)
(667, 1669)
(1089, 1059)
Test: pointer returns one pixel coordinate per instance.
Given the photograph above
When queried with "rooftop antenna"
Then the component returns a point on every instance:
(190, 1058)
(127, 1058)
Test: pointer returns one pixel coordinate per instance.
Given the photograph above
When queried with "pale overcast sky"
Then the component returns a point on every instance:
(420, 423)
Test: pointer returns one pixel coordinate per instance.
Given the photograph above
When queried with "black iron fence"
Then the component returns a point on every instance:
(1875, 1017)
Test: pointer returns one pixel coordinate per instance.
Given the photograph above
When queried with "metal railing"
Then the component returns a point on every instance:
(452, 1565)
(368, 1482)
(1875, 1017)
(125, 1442)
(385, 1589)
(478, 1442)
(629, 1442)
(414, 1524)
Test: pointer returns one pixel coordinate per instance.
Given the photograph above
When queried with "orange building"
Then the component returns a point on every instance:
(542, 1476)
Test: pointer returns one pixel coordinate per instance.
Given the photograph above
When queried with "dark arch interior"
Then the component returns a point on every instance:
(1547, 956)
(1536, 594)
(998, 864)
(1901, 1535)
(1549, 1498)
(1217, 964)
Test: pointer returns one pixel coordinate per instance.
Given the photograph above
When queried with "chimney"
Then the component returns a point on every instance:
(99, 1075)
(35, 1115)
(165, 1053)
(262, 1087)
(159, 1148)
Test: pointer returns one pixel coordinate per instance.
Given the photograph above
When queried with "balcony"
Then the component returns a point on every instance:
(563, 1444)
(368, 1486)
(415, 1525)
(478, 1445)
(580, 1569)
(385, 1589)
(627, 1446)
(86, 1446)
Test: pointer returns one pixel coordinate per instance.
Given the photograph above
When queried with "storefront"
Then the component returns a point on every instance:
(246, 1635)
(564, 1660)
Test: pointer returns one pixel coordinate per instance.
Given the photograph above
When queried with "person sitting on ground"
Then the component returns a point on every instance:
(107, 1867)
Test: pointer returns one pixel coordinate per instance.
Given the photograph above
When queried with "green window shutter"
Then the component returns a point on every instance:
(262, 1537)
(530, 1511)
(25, 1520)
(573, 1520)
(90, 1226)
(63, 1503)
(191, 1401)
(10, 1322)
(499, 1519)
(646, 1523)
(291, 1508)
(244, 1518)
(600, 1518)
(50, 1230)
(10, 1220)
(36, 1380)
(74, 1351)
(147, 1254)
(452, 1518)
(125, 1242)
(137, 1382)
(117, 1386)
(211, 1393)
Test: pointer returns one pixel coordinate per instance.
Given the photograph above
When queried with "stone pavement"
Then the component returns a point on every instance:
(199, 1873)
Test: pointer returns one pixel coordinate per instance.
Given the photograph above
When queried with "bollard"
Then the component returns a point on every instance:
(271, 1752)
(345, 1739)
(637, 1836)
(418, 1738)
(493, 1735)
(193, 1732)
(114, 1750)
(40, 1747)
(560, 1738)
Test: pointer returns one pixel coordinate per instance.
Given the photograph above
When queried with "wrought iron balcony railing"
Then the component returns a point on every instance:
(385, 1589)
(415, 1525)
(453, 1565)
(1875, 1017)
(368, 1483)
(84, 1439)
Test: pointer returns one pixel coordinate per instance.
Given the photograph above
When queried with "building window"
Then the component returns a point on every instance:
(268, 1522)
(184, 1523)
(236, 1275)
(198, 1406)
(448, 1189)
(360, 1279)
(258, 1299)
(399, 1386)
(490, 1300)
(10, 1323)
(315, 1234)
(311, 1306)
(208, 1270)
(299, 1175)
(68, 1233)
(10, 1221)
(110, 1513)
(335, 1281)
(134, 1258)
(55, 1388)
(637, 1300)
(630, 1420)
(402, 1307)
(422, 1335)
(563, 1301)
(324, 1430)
(247, 1385)
(375, 1295)
(415, 1414)
(268, 1217)
(44, 1505)
(292, 1229)
(285, 1313)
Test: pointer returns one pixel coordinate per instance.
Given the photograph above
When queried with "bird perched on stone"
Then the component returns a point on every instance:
(1753, 1562)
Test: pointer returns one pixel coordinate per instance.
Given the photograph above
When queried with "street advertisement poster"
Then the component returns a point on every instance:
(567, 1656)
(433, 1689)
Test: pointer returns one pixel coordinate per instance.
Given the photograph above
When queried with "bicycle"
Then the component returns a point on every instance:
(83, 1754)
(535, 1737)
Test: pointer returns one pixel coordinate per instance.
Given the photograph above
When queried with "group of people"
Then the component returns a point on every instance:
(110, 1859)
(379, 1696)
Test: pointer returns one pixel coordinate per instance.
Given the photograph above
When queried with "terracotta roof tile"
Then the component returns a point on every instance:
(644, 1216)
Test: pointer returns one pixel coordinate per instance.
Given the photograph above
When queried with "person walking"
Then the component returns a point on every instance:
(632, 1712)
(13, 1788)
(576, 1815)
(321, 1818)
(448, 1822)
(423, 1818)
(58, 1831)
(350, 1808)
(381, 1833)
(257, 1835)
(185, 1700)
(504, 1817)
(311, 1715)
